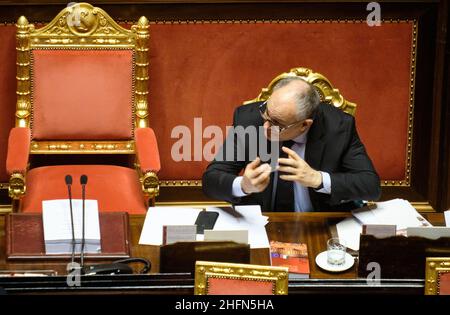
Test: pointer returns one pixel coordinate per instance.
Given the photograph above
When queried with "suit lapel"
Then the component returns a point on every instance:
(315, 143)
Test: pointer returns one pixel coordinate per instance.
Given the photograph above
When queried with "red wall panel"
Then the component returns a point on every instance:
(207, 69)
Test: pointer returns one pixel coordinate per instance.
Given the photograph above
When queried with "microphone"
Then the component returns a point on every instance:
(83, 182)
(68, 180)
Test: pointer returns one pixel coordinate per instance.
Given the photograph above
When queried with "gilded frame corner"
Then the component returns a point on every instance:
(434, 266)
(278, 276)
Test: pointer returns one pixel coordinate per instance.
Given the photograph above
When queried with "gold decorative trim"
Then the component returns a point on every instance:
(422, 206)
(84, 147)
(433, 268)
(4, 209)
(181, 183)
(17, 187)
(272, 21)
(194, 204)
(278, 276)
(326, 90)
(149, 182)
(247, 21)
(4, 185)
(142, 75)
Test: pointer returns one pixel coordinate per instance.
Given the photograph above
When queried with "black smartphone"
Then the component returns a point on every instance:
(206, 221)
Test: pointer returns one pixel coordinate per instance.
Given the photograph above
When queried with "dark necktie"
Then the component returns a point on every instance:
(283, 191)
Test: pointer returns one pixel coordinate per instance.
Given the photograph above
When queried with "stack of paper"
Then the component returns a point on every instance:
(58, 226)
(157, 217)
(247, 218)
(398, 212)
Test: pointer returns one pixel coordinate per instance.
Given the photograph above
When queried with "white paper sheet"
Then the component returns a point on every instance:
(58, 226)
(57, 223)
(397, 212)
(350, 230)
(157, 217)
(241, 218)
(447, 218)
(244, 218)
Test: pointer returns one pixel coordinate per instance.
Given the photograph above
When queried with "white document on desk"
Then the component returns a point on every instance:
(447, 218)
(157, 217)
(241, 218)
(57, 225)
(244, 218)
(397, 212)
(350, 230)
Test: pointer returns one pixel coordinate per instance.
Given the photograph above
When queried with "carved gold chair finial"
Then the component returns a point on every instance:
(327, 92)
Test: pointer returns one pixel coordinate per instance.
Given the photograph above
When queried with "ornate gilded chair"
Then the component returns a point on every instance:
(214, 278)
(437, 276)
(82, 87)
(327, 92)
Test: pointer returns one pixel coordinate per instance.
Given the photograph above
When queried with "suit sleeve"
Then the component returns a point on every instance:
(219, 176)
(357, 178)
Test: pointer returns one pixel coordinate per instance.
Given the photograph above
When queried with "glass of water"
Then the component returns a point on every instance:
(336, 250)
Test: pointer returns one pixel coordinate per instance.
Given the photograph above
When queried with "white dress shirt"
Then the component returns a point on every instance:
(301, 194)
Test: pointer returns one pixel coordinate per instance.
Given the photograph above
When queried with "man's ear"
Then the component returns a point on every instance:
(307, 123)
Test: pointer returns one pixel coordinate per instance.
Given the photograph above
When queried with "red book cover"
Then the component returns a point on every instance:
(291, 255)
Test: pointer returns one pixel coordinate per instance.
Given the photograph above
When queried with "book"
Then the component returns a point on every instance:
(291, 255)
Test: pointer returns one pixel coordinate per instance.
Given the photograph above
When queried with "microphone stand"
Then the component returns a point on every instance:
(69, 189)
(83, 182)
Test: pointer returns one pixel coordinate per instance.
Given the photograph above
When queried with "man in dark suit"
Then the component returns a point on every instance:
(323, 165)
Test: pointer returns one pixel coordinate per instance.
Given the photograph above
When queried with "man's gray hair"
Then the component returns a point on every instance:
(307, 101)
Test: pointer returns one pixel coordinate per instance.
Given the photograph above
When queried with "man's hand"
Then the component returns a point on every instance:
(298, 170)
(256, 177)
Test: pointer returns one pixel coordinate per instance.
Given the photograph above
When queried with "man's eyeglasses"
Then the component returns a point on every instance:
(263, 111)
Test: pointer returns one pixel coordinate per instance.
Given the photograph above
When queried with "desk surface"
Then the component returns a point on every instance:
(310, 228)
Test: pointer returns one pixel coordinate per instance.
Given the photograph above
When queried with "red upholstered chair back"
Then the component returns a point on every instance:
(82, 82)
(82, 94)
(214, 278)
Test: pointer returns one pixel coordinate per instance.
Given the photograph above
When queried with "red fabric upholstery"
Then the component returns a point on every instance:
(147, 150)
(18, 150)
(223, 65)
(7, 91)
(116, 188)
(219, 286)
(82, 94)
(444, 283)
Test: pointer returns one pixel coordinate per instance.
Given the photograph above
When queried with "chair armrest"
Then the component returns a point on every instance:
(148, 157)
(147, 150)
(17, 160)
(18, 150)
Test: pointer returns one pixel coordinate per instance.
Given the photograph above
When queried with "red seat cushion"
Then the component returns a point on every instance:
(116, 188)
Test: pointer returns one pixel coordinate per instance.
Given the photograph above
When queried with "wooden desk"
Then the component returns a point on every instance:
(312, 228)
